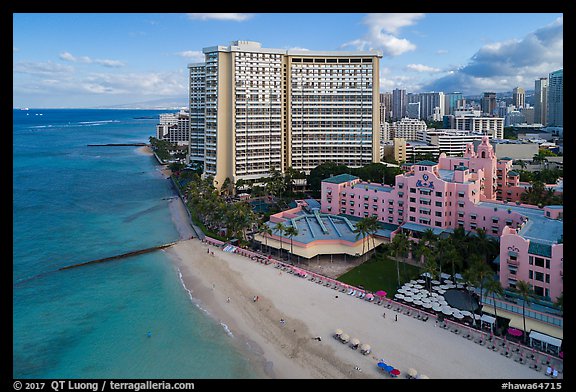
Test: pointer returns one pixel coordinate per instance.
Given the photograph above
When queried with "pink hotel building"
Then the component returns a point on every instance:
(463, 192)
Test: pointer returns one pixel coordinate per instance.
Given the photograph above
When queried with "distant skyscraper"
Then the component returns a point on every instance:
(555, 98)
(519, 96)
(489, 103)
(385, 106)
(399, 103)
(540, 100)
(430, 101)
(413, 110)
(451, 102)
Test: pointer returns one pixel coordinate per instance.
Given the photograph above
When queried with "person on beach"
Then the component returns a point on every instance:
(228, 299)
(396, 319)
(384, 314)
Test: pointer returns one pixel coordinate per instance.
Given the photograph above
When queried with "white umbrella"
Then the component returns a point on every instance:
(401, 291)
(338, 332)
(459, 286)
(441, 291)
(447, 310)
(408, 284)
(412, 372)
(448, 281)
(417, 297)
(417, 302)
(466, 313)
(427, 305)
(421, 281)
(477, 317)
(436, 307)
(398, 295)
(365, 347)
(423, 376)
(426, 300)
(413, 281)
(433, 294)
(344, 337)
(437, 288)
(458, 315)
(435, 282)
(419, 286)
(426, 274)
(408, 299)
(444, 286)
(354, 342)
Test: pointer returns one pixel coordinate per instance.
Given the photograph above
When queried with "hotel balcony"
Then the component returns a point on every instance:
(513, 262)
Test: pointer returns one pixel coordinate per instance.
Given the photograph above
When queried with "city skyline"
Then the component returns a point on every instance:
(75, 65)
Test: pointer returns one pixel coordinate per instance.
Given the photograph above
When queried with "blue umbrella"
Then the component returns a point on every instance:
(382, 365)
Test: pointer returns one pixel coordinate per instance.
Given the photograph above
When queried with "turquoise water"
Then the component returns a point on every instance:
(73, 203)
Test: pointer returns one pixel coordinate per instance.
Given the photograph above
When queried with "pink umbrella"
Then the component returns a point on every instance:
(514, 332)
(381, 293)
(368, 296)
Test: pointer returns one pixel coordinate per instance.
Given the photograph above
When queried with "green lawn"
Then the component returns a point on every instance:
(379, 273)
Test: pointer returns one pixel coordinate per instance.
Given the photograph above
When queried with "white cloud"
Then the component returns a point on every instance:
(42, 68)
(501, 66)
(383, 32)
(441, 51)
(236, 17)
(67, 56)
(196, 56)
(422, 68)
(15, 49)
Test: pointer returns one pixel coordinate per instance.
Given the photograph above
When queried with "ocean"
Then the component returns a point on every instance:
(73, 203)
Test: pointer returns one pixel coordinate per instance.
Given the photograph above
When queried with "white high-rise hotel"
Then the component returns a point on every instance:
(253, 108)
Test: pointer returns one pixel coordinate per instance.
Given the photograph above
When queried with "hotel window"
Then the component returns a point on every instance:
(343, 202)
(473, 216)
(400, 212)
(539, 262)
(329, 208)
(438, 213)
(412, 190)
(375, 208)
(390, 219)
(538, 290)
(400, 203)
(508, 222)
(400, 194)
(365, 213)
(473, 226)
(438, 194)
(494, 230)
(495, 220)
(401, 185)
(412, 219)
(412, 209)
(351, 202)
(460, 194)
(460, 214)
(437, 223)
(365, 206)
(531, 260)
(343, 210)
(513, 270)
(460, 204)
(412, 200)
(438, 204)
(375, 200)
(460, 223)
(391, 202)
(425, 221)
(547, 278)
(366, 197)
(352, 211)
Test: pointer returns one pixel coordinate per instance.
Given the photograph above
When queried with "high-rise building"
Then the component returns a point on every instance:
(276, 108)
(428, 102)
(413, 110)
(540, 100)
(451, 102)
(197, 107)
(555, 98)
(385, 106)
(489, 103)
(174, 127)
(399, 104)
(490, 126)
(519, 97)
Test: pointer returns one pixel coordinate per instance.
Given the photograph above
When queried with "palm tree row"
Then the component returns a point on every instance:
(215, 213)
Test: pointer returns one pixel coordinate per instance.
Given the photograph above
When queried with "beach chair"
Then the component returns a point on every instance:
(343, 290)
(555, 373)
(425, 318)
(549, 371)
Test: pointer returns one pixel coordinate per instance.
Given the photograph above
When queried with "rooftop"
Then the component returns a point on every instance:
(340, 178)
(374, 187)
(538, 228)
(426, 163)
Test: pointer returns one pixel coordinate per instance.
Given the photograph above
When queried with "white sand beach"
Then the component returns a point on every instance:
(312, 310)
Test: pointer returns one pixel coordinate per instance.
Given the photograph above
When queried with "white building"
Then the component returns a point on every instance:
(407, 128)
(277, 108)
(491, 126)
(450, 141)
(174, 127)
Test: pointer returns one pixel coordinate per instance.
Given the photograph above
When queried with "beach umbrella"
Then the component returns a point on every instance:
(412, 372)
(369, 296)
(399, 295)
(395, 372)
(423, 376)
(354, 342)
(382, 365)
(458, 315)
(427, 305)
(434, 282)
(420, 281)
(381, 293)
(344, 337)
(437, 307)
(514, 332)
(447, 310)
(365, 347)
(338, 332)
(413, 281)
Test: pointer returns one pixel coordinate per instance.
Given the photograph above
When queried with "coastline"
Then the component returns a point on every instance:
(146, 150)
(312, 310)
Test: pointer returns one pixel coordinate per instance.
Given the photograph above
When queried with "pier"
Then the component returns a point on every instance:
(121, 256)
(118, 145)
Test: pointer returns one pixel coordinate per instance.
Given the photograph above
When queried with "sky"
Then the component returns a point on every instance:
(87, 60)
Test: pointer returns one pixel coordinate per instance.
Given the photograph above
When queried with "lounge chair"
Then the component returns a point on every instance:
(425, 318)
(549, 371)
(343, 290)
(555, 373)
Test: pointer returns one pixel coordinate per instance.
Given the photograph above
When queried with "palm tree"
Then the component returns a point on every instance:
(291, 231)
(266, 231)
(431, 269)
(483, 244)
(526, 292)
(447, 254)
(399, 248)
(560, 302)
(361, 231)
(280, 229)
(481, 271)
(372, 227)
(494, 288)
